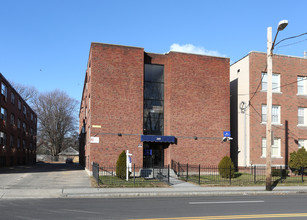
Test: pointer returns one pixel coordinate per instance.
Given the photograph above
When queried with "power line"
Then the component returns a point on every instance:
(292, 43)
(290, 38)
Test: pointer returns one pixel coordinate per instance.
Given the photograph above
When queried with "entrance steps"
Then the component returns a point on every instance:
(157, 173)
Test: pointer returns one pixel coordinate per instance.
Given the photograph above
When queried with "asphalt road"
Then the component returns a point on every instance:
(231, 207)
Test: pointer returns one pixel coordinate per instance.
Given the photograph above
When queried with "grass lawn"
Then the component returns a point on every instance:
(244, 179)
(113, 181)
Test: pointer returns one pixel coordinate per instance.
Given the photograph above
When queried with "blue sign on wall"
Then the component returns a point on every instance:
(227, 134)
(147, 152)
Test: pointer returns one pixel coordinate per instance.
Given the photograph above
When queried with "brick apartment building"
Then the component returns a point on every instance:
(160, 107)
(17, 128)
(248, 108)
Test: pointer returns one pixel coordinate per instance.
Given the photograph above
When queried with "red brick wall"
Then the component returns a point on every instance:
(288, 68)
(14, 155)
(116, 101)
(196, 103)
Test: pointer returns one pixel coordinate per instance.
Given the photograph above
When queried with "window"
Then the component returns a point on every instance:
(301, 116)
(153, 122)
(302, 143)
(275, 114)
(18, 142)
(4, 89)
(11, 141)
(32, 117)
(301, 85)
(2, 138)
(12, 119)
(3, 114)
(12, 98)
(275, 82)
(275, 150)
(25, 110)
(24, 126)
(18, 123)
(19, 104)
(23, 143)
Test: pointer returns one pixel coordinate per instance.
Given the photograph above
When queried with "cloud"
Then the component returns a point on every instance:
(190, 48)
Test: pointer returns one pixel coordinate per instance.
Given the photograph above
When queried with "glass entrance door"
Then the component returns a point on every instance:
(153, 155)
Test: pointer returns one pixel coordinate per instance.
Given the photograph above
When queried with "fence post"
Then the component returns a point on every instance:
(134, 174)
(281, 174)
(255, 174)
(198, 174)
(230, 175)
(178, 169)
(187, 172)
(168, 173)
(302, 170)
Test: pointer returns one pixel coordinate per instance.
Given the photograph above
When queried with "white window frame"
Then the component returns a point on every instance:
(3, 114)
(275, 149)
(301, 83)
(302, 113)
(275, 114)
(2, 138)
(275, 82)
(302, 143)
(3, 89)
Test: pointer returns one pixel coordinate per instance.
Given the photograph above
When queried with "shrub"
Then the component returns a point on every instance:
(298, 160)
(121, 166)
(226, 168)
(276, 172)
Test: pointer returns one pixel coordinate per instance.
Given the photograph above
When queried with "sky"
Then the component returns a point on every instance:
(45, 43)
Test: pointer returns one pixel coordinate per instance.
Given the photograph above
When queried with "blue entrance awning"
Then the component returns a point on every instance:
(156, 138)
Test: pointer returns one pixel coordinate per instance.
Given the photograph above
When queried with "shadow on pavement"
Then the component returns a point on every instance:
(41, 167)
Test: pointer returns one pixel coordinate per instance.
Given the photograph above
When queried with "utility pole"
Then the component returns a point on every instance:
(268, 178)
(270, 47)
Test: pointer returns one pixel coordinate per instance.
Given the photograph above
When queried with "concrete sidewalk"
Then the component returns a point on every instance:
(145, 192)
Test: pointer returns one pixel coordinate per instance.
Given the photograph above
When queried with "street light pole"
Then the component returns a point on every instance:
(270, 47)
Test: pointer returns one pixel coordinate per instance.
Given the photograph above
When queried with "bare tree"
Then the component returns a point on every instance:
(56, 119)
(28, 93)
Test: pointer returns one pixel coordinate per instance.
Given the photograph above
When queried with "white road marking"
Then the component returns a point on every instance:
(225, 202)
(80, 211)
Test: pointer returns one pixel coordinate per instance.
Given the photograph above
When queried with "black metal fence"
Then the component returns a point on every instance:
(212, 175)
(95, 169)
(138, 176)
(197, 174)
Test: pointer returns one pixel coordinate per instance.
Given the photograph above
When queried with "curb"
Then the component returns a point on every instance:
(6, 194)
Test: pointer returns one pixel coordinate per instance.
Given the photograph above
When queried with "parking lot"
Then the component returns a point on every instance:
(44, 176)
